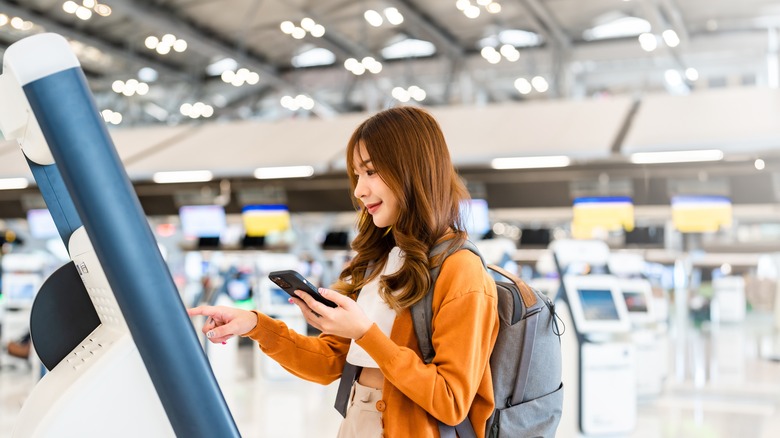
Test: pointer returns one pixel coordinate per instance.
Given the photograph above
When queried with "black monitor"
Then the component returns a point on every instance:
(646, 236)
(336, 240)
(538, 237)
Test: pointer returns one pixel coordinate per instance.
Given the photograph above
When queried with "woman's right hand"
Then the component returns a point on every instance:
(222, 323)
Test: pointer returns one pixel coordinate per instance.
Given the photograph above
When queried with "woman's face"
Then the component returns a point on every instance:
(377, 198)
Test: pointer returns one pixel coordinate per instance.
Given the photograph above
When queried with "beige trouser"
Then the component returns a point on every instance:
(363, 420)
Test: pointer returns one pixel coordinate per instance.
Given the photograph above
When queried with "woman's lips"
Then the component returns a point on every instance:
(372, 208)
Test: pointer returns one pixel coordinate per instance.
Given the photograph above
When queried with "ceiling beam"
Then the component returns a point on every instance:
(545, 19)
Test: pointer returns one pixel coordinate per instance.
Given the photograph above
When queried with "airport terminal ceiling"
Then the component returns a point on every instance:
(153, 61)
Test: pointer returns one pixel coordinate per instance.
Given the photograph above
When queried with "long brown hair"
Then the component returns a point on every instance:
(408, 151)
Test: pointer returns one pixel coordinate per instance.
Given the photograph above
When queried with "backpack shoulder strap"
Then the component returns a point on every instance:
(422, 311)
(422, 316)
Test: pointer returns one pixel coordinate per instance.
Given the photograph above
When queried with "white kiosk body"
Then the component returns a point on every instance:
(90, 392)
(606, 365)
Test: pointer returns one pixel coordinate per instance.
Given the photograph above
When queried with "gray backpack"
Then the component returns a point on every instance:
(525, 362)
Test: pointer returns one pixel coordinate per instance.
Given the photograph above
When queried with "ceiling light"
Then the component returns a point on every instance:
(373, 17)
(283, 172)
(648, 42)
(520, 38)
(287, 27)
(103, 10)
(147, 74)
(530, 162)
(540, 84)
(298, 33)
(670, 38)
(408, 48)
(523, 86)
(112, 117)
(151, 42)
(471, 11)
(83, 13)
(183, 176)
(13, 183)
(314, 57)
(493, 8)
(180, 46)
(673, 78)
(618, 28)
(196, 110)
(317, 31)
(393, 16)
(307, 24)
(676, 156)
(17, 23)
(70, 7)
(218, 67)
(691, 74)
(462, 4)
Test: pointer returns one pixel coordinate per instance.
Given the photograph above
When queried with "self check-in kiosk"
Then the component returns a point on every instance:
(123, 359)
(649, 329)
(604, 369)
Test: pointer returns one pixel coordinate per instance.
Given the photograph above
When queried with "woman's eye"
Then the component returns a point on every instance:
(370, 172)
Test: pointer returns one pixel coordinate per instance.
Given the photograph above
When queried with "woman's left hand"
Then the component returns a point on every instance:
(346, 320)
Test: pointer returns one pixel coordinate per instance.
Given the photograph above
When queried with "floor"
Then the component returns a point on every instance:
(721, 382)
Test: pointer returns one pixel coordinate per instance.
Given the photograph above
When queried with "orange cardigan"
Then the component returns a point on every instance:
(457, 383)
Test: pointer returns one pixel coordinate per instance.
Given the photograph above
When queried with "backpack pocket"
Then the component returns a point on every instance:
(537, 418)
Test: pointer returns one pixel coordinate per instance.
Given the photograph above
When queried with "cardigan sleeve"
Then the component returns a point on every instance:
(318, 359)
(465, 326)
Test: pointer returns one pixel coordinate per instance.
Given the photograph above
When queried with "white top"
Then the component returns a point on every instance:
(376, 309)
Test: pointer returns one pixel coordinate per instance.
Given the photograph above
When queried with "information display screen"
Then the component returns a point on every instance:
(202, 220)
(259, 220)
(475, 217)
(41, 224)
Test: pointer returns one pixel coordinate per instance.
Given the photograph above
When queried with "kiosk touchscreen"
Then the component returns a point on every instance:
(597, 304)
(638, 296)
(651, 366)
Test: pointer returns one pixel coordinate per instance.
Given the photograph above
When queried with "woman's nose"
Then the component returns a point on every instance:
(360, 189)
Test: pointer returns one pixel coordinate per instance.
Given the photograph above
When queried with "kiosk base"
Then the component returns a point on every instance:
(608, 398)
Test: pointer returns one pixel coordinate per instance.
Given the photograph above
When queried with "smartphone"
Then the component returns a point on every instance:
(290, 281)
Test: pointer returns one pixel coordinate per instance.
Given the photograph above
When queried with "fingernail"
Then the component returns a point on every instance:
(210, 334)
(224, 342)
(290, 300)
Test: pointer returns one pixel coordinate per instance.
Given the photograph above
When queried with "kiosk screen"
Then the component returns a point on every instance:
(636, 302)
(598, 304)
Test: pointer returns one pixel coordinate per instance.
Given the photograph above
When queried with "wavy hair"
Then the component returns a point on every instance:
(408, 151)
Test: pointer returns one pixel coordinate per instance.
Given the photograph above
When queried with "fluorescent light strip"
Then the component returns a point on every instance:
(530, 162)
(13, 183)
(284, 172)
(676, 156)
(184, 176)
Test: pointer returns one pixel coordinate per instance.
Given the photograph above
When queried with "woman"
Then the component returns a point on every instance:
(408, 194)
